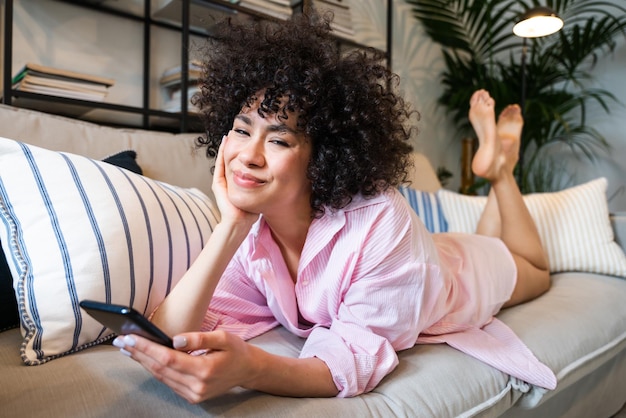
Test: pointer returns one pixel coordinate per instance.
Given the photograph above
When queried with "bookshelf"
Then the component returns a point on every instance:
(184, 21)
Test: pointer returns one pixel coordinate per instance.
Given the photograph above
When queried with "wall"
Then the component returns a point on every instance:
(54, 33)
(609, 74)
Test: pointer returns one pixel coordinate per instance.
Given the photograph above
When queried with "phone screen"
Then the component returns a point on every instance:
(125, 320)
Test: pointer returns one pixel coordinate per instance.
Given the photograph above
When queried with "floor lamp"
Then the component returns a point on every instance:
(535, 23)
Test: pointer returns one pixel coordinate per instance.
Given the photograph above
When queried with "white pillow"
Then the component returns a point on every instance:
(573, 224)
(73, 228)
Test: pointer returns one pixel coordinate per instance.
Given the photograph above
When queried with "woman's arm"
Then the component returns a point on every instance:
(228, 362)
(185, 306)
(286, 376)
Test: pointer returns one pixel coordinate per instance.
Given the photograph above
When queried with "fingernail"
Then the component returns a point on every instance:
(180, 342)
(129, 341)
(119, 342)
(126, 353)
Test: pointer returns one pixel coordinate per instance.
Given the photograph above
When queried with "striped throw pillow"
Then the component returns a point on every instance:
(573, 225)
(427, 207)
(75, 228)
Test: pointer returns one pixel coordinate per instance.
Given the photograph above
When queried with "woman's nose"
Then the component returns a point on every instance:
(252, 153)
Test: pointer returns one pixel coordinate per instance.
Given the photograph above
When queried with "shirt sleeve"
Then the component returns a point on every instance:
(238, 306)
(380, 311)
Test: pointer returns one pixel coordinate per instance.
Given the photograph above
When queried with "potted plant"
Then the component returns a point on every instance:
(481, 51)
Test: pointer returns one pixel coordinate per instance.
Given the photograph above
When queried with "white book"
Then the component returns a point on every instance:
(202, 15)
(336, 3)
(268, 8)
(289, 3)
(172, 101)
(194, 65)
(342, 16)
(60, 74)
(51, 91)
(63, 84)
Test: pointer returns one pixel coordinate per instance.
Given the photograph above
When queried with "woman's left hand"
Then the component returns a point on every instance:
(229, 213)
(226, 363)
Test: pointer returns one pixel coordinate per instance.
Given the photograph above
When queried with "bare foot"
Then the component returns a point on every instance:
(488, 158)
(509, 131)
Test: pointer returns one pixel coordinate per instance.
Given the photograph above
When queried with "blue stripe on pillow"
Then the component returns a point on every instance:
(193, 215)
(106, 272)
(190, 212)
(168, 232)
(185, 232)
(427, 207)
(94, 226)
(67, 266)
(146, 218)
(443, 223)
(129, 242)
(206, 208)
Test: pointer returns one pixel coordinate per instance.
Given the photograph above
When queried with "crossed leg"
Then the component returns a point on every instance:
(506, 215)
(509, 133)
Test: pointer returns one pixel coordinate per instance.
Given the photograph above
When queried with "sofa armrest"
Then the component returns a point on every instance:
(618, 222)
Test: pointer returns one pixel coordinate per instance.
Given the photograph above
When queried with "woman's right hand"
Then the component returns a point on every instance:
(228, 211)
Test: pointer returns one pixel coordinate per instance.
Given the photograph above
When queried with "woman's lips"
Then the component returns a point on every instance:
(246, 180)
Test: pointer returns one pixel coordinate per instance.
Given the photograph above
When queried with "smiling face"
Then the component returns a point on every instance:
(266, 160)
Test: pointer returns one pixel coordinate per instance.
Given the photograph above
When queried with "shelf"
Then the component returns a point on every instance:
(177, 17)
(174, 22)
(77, 107)
(83, 109)
(145, 116)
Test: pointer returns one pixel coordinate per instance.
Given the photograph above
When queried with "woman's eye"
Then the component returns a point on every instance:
(240, 131)
(280, 142)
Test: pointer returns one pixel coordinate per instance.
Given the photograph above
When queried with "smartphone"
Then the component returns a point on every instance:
(125, 320)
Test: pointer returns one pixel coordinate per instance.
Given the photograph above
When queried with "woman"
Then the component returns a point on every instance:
(314, 236)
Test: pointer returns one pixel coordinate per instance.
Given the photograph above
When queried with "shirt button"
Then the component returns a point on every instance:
(305, 282)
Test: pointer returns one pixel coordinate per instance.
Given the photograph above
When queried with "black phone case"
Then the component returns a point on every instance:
(125, 320)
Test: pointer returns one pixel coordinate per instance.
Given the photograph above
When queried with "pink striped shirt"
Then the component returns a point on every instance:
(371, 280)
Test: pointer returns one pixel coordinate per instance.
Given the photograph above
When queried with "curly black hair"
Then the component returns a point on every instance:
(347, 103)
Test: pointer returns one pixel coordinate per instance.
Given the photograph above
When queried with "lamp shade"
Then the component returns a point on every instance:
(537, 22)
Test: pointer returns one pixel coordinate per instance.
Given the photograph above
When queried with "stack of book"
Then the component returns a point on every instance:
(36, 78)
(342, 21)
(281, 9)
(171, 84)
(202, 14)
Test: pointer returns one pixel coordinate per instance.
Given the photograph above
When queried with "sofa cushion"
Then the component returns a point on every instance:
(163, 156)
(562, 327)
(422, 175)
(430, 381)
(573, 224)
(75, 228)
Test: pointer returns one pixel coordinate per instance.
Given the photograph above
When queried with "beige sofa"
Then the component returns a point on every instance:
(578, 329)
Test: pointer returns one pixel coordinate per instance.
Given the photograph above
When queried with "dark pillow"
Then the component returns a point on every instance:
(125, 159)
(9, 316)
